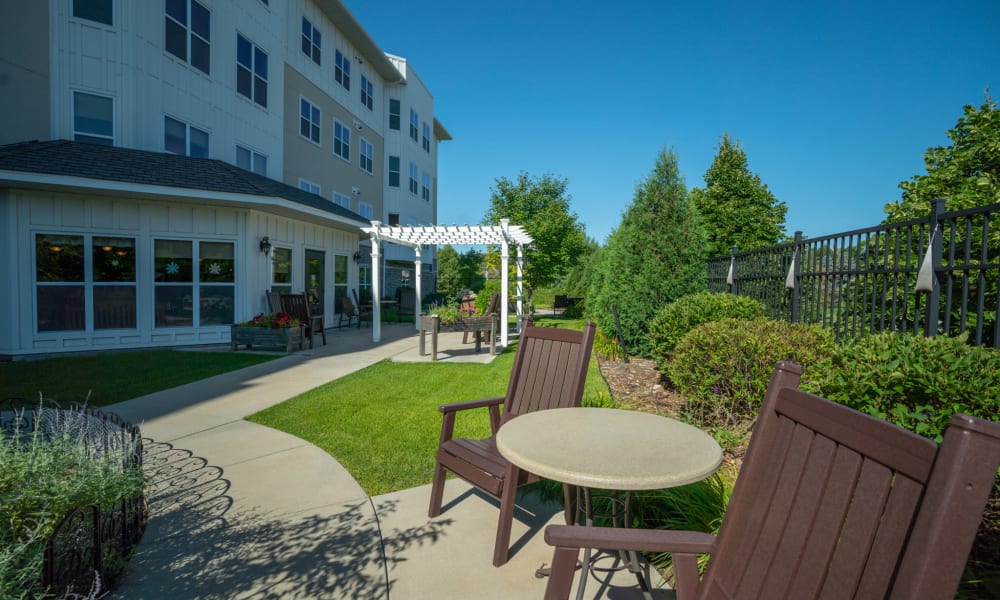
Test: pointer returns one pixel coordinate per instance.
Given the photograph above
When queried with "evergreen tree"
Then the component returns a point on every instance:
(449, 279)
(655, 256)
(736, 208)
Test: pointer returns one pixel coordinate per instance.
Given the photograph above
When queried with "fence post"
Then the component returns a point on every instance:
(797, 290)
(934, 297)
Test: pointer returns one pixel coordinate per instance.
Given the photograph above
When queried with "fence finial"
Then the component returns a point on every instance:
(925, 276)
(790, 278)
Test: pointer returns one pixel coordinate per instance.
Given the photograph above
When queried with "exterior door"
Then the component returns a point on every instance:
(315, 286)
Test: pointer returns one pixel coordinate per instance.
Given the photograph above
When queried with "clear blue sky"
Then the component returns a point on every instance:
(835, 103)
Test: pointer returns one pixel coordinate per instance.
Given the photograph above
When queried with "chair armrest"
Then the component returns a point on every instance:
(457, 406)
(642, 540)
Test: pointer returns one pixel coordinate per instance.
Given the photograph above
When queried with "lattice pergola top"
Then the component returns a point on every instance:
(456, 235)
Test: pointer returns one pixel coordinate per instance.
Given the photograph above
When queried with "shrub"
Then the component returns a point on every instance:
(723, 367)
(675, 320)
(606, 347)
(483, 295)
(912, 381)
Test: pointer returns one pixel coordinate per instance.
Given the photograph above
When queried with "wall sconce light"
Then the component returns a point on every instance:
(265, 245)
(357, 256)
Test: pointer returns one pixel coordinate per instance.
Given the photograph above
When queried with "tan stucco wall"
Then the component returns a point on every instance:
(24, 71)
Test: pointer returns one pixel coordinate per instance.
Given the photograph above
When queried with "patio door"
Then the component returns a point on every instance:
(315, 285)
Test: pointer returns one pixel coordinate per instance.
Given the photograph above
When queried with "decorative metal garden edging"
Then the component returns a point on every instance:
(89, 548)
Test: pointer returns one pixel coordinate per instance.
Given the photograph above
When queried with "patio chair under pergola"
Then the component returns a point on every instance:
(504, 235)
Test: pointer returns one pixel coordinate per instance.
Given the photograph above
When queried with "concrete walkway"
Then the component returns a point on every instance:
(239, 510)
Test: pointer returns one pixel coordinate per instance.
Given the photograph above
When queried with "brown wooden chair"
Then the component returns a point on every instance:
(297, 305)
(830, 503)
(274, 301)
(364, 310)
(492, 308)
(348, 311)
(549, 371)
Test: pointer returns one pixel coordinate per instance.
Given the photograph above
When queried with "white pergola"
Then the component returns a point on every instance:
(504, 235)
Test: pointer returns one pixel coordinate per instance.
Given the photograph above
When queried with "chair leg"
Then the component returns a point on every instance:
(508, 498)
(437, 491)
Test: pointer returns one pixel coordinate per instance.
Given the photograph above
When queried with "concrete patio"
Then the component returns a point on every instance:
(238, 510)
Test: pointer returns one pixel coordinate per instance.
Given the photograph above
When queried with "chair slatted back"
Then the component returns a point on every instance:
(825, 504)
(274, 301)
(550, 369)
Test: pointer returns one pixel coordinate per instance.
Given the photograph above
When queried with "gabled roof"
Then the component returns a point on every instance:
(143, 168)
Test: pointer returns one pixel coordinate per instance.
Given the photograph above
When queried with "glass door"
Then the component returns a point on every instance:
(315, 267)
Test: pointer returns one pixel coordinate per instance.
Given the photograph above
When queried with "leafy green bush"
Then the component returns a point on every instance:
(723, 367)
(42, 478)
(606, 347)
(483, 295)
(912, 381)
(675, 320)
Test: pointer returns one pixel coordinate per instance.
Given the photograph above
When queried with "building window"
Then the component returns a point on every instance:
(93, 119)
(414, 119)
(394, 171)
(426, 139)
(308, 186)
(186, 140)
(342, 70)
(394, 114)
(309, 120)
(341, 140)
(342, 200)
(281, 270)
(366, 157)
(367, 93)
(251, 71)
(100, 11)
(312, 41)
(194, 282)
(413, 179)
(365, 210)
(251, 161)
(188, 38)
(393, 219)
(68, 298)
(425, 189)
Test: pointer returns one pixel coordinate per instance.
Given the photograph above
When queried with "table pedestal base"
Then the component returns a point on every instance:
(619, 514)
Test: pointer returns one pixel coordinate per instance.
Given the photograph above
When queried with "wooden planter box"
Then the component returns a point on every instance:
(479, 325)
(283, 337)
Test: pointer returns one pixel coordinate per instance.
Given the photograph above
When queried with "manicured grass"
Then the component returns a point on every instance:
(382, 423)
(116, 376)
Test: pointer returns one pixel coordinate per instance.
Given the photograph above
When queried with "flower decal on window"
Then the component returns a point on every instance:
(214, 268)
(172, 268)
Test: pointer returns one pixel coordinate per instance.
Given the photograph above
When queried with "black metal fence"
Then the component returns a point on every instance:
(866, 280)
(90, 546)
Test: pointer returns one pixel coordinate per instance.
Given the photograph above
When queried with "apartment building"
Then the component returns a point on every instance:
(164, 164)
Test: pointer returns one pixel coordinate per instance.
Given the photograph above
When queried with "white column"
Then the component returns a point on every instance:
(376, 289)
(418, 266)
(520, 286)
(504, 283)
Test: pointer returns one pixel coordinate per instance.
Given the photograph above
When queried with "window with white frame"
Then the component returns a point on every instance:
(341, 140)
(426, 138)
(194, 282)
(281, 270)
(342, 70)
(251, 71)
(414, 120)
(310, 118)
(425, 188)
(394, 171)
(251, 161)
(413, 179)
(342, 199)
(71, 297)
(367, 93)
(184, 139)
(366, 157)
(187, 33)
(100, 11)
(93, 119)
(395, 114)
(365, 210)
(309, 186)
(312, 41)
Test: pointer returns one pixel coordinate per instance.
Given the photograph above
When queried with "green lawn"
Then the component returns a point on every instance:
(112, 377)
(382, 423)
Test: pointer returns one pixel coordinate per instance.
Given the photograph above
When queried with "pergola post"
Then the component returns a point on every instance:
(418, 265)
(504, 283)
(376, 284)
(520, 286)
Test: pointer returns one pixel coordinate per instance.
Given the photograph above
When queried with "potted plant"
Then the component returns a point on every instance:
(267, 329)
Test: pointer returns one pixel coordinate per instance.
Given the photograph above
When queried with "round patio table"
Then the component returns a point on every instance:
(609, 449)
